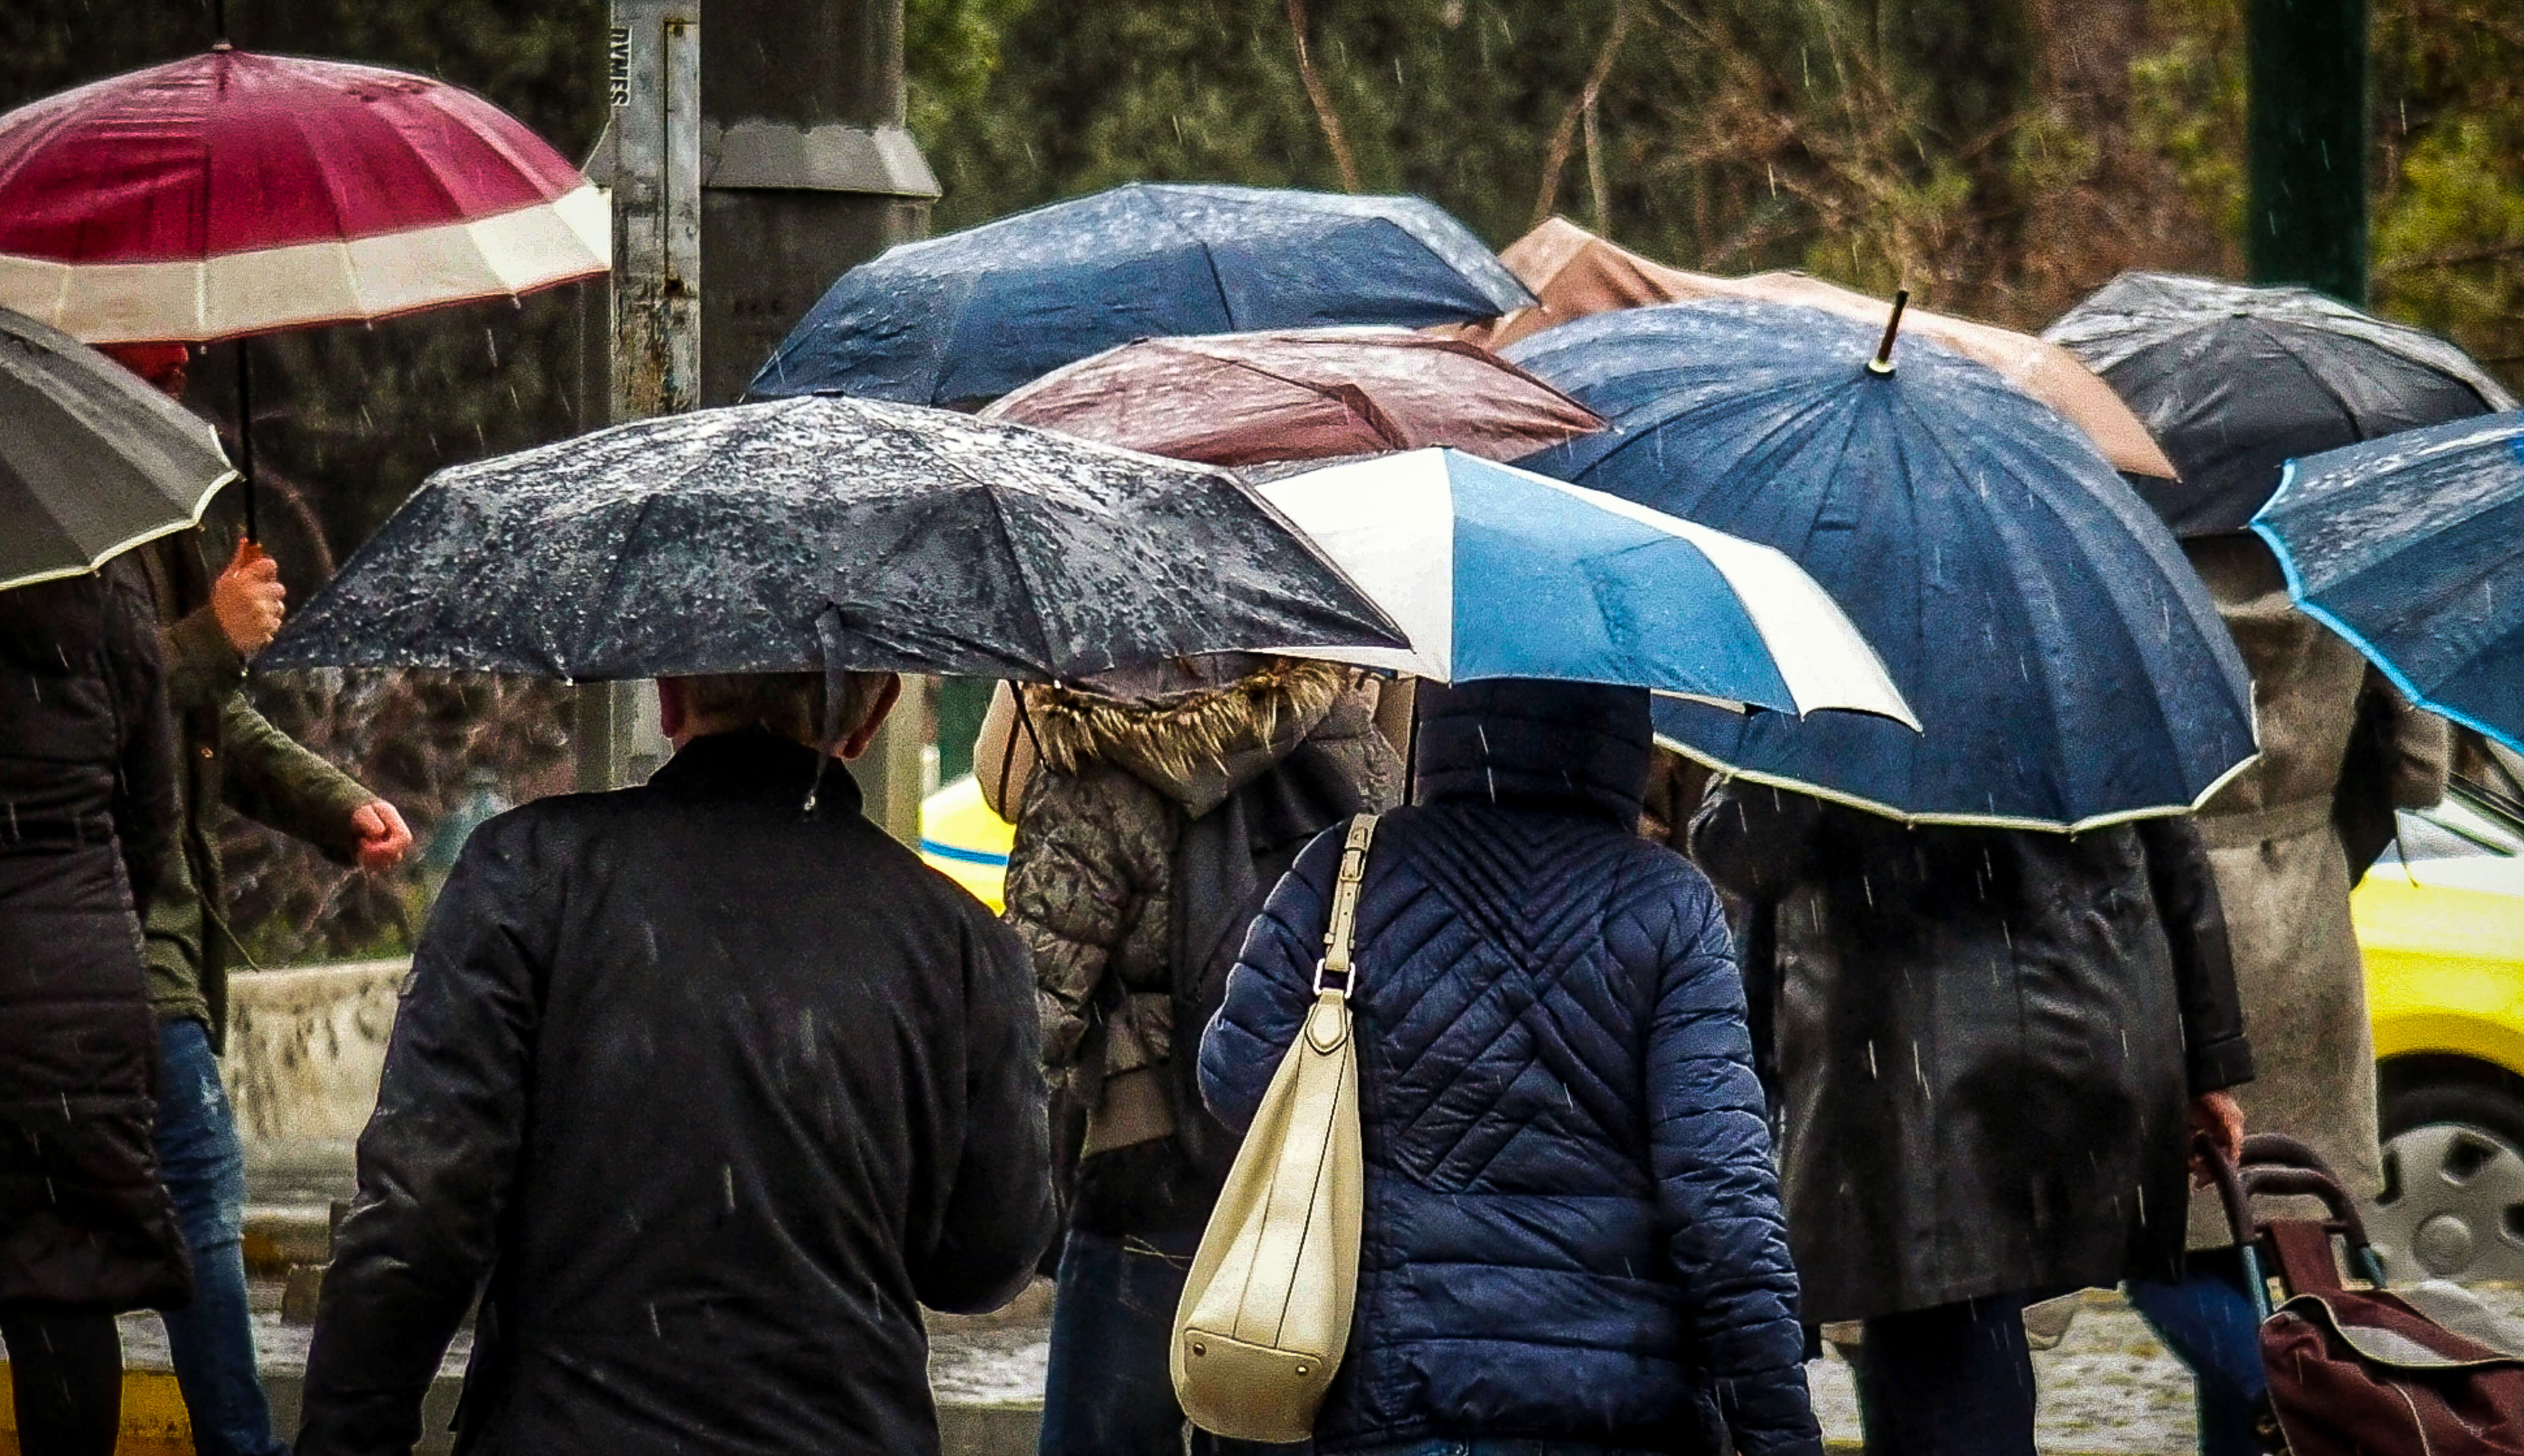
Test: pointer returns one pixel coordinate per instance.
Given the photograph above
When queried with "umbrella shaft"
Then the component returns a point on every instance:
(245, 433)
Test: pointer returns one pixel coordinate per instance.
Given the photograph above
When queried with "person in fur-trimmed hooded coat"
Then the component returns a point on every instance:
(1125, 771)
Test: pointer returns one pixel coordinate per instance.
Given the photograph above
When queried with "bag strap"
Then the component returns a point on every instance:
(1332, 972)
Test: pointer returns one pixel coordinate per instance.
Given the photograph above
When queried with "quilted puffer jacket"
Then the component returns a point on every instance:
(1573, 1227)
(87, 779)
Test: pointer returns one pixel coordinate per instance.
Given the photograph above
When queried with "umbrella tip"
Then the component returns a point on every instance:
(1882, 362)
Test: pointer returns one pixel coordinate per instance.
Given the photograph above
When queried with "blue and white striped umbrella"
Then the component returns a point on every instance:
(1493, 571)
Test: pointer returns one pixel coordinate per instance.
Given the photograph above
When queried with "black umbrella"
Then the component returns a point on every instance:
(2237, 381)
(92, 460)
(825, 533)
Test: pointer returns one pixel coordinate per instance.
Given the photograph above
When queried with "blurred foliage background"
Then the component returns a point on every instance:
(1998, 157)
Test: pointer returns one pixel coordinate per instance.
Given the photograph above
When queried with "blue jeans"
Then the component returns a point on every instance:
(1108, 1391)
(1952, 1380)
(1480, 1446)
(211, 1340)
(2208, 1323)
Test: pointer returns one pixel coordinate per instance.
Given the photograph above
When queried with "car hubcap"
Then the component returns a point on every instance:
(2453, 1205)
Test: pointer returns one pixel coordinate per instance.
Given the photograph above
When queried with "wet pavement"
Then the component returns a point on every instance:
(2109, 1387)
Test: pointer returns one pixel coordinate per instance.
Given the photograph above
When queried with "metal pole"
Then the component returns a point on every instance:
(653, 63)
(2309, 130)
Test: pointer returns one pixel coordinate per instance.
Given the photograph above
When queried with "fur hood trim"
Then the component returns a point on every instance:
(1195, 747)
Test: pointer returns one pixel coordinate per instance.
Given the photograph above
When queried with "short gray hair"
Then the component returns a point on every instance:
(790, 704)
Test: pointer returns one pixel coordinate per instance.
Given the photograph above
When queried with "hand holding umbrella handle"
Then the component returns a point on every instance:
(247, 599)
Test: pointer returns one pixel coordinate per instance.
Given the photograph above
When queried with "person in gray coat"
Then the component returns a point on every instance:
(1993, 1049)
(2341, 749)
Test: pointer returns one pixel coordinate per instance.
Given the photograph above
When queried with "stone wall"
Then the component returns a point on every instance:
(305, 1049)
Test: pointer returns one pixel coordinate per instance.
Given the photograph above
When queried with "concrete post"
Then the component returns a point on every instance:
(776, 151)
(2308, 129)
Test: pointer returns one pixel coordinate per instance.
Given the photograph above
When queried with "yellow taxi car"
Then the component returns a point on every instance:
(964, 841)
(2441, 919)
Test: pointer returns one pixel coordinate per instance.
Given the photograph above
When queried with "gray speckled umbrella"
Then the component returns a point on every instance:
(2236, 381)
(92, 460)
(825, 533)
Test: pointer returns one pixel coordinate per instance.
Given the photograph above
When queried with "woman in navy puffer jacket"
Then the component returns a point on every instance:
(1573, 1233)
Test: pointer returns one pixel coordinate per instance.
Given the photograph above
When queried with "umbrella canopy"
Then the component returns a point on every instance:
(233, 193)
(1493, 571)
(2406, 546)
(1300, 394)
(976, 314)
(92, 460)
(2067, 666)
(1575, 273)
(826, 533)
(2235, 381)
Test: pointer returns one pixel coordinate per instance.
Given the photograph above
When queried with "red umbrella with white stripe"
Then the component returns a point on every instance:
(231, 193)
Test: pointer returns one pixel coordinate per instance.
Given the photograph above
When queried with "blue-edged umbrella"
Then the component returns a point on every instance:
(2067, 667)
(976, 314)
(1493, 571)
(2407, 547)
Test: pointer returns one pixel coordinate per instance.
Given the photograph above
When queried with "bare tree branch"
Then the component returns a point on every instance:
(1321, 97)
(1564, 138)
(1602, 193)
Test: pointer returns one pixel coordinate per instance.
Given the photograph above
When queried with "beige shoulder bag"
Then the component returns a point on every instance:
(1265, 1314)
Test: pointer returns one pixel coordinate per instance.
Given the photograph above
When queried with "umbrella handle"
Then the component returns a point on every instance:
(1882, 362)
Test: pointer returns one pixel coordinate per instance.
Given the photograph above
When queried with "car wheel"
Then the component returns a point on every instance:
(2453, 1202)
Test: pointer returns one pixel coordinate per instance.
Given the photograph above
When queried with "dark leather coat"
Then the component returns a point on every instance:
(1572, 1232)
(716, 1093)
(1986, 1040)
(87, 816)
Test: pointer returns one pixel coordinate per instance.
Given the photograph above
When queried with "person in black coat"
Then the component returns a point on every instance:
(709, 1086)
(1994, 1046)
(87, 779)
(1571, 1237)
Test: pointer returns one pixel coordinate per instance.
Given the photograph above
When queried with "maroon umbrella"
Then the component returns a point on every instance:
(1300, 394)
(233, 193)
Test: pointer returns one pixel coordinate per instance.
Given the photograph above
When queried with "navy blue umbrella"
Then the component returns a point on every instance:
(975, 313)
(2067, 666)
(2406, 546)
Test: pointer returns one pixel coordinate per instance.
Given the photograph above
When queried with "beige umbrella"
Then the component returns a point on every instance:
(1574, 272)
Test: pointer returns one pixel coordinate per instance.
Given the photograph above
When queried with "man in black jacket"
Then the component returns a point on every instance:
(714, 1084)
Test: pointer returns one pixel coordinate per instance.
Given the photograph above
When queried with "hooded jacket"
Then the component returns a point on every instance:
(1091, 891)
(1987, 1040)
(1573, 1230)
(707, 1094)
(87, 776)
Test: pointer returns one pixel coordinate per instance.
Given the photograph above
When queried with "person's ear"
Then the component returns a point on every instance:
(886, 697)
(670, 707)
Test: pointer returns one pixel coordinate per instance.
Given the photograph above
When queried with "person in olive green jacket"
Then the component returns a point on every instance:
(229, 755)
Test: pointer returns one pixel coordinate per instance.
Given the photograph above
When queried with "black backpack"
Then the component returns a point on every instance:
(1226, 864)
